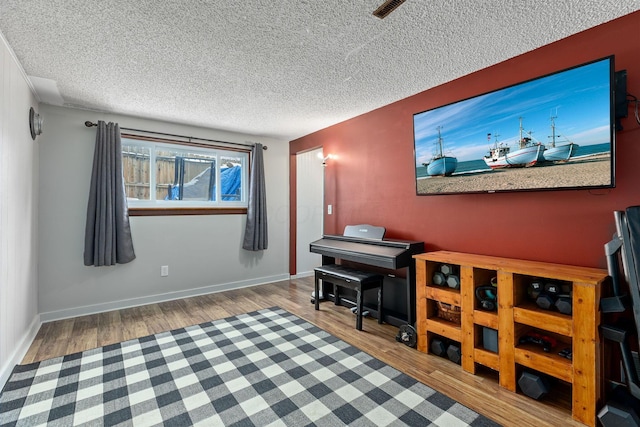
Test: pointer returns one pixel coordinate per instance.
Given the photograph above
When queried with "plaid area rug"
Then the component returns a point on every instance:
(265, 368)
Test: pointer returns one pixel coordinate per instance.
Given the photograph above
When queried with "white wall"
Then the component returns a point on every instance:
(204, 253)
(19, 319)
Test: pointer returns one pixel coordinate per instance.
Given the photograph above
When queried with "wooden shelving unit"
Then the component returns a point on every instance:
(516, 316)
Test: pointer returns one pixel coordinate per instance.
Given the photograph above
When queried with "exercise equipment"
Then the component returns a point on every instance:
(446, 348)
(354, 310)
(547, 297)
(534, 290)
(564, 304)
(533, 385)
(488, 297)
(446, 269)
(490, 339)
(446, 277)
(621, 408)
(567, 353)
(439, 279)
(454, 353)
(546, 342)
(407, 335)
(453, 281)
(545, 301)
(439, 346)
(551, 296)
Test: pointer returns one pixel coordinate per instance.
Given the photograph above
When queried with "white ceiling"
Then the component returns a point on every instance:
(278, 68)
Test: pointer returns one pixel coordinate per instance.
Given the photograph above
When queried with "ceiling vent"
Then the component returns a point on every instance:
(387, 7)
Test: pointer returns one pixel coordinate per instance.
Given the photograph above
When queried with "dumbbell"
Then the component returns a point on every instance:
(444, 348)
(533, 385)
(547, 297)
(439, 347)
(440, 277)
(565, 301)
(615, 414)
(446, 269)
(534, 290)
(454, 353)
(620, 410)
(564, 304)
(556, 296)
(453, 281)
(446, 277)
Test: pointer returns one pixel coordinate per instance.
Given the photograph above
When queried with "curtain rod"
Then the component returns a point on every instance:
(91, 124)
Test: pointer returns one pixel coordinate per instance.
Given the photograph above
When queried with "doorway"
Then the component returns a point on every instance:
(309, 209)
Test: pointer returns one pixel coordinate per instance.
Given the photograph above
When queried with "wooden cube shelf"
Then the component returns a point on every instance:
(515, 317)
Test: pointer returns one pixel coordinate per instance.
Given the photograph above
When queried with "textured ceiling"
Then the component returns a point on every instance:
(279, 68)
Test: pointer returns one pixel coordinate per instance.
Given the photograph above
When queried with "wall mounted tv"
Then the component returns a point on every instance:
(550, 133)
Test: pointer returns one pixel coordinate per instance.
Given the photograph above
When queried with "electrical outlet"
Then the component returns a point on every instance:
(164, 270)
(329, 209)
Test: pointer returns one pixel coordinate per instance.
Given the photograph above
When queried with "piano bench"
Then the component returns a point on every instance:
(357, 280)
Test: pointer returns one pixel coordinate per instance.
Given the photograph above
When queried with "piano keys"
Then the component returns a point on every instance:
(386, 255)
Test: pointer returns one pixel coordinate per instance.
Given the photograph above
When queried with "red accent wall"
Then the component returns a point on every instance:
(373, 179)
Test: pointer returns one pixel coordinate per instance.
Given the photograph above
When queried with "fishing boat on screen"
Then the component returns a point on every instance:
(558, 151)
(441, 164)
(527, 154)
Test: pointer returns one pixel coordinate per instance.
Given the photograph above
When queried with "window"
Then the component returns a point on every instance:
(164, 174)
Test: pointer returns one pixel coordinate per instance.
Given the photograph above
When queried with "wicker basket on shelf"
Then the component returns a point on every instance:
(449, 312)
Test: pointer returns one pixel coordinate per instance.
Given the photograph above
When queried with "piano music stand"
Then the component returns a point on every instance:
(364, 231)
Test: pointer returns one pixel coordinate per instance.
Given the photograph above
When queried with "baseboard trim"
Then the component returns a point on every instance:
(303, 274)
(153, 299)
(20, 351)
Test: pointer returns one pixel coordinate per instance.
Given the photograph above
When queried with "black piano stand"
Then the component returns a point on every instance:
(356, 280)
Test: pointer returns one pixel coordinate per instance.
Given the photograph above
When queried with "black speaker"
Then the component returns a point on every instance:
(621, 103)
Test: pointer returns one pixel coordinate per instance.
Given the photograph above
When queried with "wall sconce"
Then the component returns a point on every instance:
(35, 123)
(325, 158)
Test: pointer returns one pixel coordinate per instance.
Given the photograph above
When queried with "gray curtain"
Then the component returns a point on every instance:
(255, 233)
(107, 238)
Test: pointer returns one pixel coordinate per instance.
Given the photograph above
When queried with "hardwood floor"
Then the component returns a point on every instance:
(478, 392)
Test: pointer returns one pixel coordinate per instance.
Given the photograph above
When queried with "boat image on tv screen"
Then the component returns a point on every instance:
(553, 132)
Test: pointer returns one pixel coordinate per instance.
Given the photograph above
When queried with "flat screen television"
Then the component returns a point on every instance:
(553, 132)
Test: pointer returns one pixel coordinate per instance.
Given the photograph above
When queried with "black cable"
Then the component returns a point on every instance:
(633, 99)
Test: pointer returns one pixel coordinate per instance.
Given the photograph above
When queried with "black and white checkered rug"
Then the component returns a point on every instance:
(266, 368)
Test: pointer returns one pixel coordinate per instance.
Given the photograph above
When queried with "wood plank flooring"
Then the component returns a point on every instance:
(479, 392)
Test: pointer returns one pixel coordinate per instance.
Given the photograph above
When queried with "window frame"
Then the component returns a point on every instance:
(158, 208)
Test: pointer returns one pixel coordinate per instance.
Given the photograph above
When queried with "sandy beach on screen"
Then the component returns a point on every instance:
(590, 171)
